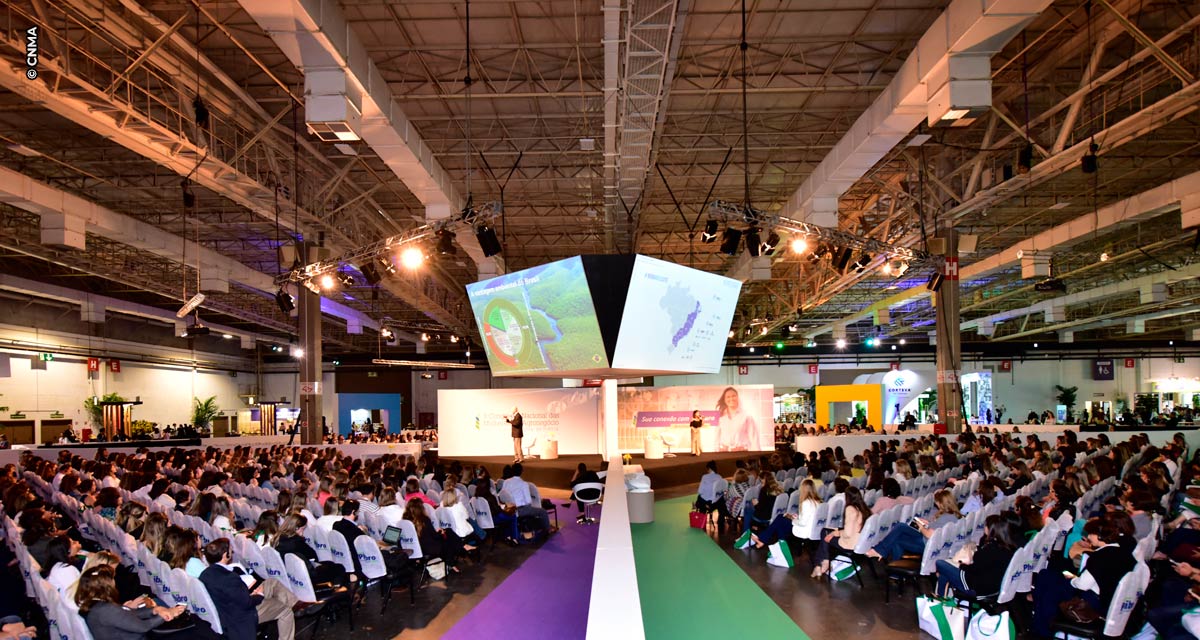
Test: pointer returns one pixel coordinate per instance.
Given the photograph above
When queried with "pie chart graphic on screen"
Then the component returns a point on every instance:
(507, 339)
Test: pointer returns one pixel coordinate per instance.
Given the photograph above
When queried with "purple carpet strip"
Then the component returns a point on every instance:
(546, 597)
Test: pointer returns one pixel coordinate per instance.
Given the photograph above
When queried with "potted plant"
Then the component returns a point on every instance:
(94, 406)
(1066, 397)
(204, 411)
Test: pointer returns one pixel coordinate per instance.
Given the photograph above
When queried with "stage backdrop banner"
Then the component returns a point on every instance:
(741, 414)
(471, 421)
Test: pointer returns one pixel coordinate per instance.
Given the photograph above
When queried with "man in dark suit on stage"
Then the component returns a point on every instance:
(518, 432)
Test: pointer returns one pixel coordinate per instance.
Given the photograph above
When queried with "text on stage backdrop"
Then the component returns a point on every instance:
(471, 422)
(741, 414)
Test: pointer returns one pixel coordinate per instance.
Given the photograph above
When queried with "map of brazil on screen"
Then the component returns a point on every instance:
(675, 318)
(539, 319)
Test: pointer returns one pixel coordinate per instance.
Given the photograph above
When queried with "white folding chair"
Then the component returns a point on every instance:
(202, 605)
(339, 549)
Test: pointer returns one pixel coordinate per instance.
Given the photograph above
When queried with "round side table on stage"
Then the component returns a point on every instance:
(653, 446)
(641, 506)
(549, 450)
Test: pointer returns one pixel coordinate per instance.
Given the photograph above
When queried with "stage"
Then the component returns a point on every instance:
(681, 470)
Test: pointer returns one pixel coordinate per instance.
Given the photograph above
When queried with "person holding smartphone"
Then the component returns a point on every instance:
(241, 600)
(1101, 568)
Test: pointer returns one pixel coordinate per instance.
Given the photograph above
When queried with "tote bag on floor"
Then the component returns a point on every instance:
(985, 626)
(779, 555)
(941, 618)
(698, 520)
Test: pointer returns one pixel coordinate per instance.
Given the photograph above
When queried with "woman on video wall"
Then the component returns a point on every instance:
(736, 428)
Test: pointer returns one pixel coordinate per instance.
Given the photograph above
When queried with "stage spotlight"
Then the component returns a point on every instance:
(863, 261)
(370, 273)
(286, 302)
(1104, 257)
(445, 243)
(326, 281)
(453, 339)
(768, 245)
(799, 245)
(709, 235)
(841, 259)
(886, 269)
(411, 258)
(387, 334)
(1090, 163)
(841, 343)
(753, 241)
(389, 269)
(1025, 159)
(297, 353)
(346, 279)
(900, 268)
(488, 242)
(730, 241)
(424, 337)
(903, 342)
(935, 281)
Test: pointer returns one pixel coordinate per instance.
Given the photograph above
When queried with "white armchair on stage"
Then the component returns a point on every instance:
(653, 447)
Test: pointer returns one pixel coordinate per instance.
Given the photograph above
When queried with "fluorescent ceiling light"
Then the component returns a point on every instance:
(955, 114)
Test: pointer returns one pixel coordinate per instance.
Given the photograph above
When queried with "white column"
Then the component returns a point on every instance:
(608, 419)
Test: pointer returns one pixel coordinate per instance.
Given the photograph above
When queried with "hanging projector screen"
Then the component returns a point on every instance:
(538, 320)
(675, 318)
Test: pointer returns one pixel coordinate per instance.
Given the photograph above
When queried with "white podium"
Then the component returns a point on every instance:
(653, 446)
(549, 450)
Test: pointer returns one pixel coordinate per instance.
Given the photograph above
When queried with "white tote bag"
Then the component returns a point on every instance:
(985, 626)
(941, 618)
(779, 555)
(841, 569)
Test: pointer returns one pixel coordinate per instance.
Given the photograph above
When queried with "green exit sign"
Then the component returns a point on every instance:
(47, 357)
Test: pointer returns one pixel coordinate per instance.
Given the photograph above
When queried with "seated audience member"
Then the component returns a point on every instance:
(290, 539)
(987, 494)
(795, 524)
(707, 498)
(131, 517)
(461, 523)
(332, 513)
(736, 492)
(412, 489)
(759, 513)
(182, 547)
(390, 511)
(845, 538)
(891, 496)
(433, 543)
(239, 608)
(521, 497)
(60, 569)
(1103, 565)
(265, 528)
(107, 618)
(582, 475)
(905, 539)
(983, 575)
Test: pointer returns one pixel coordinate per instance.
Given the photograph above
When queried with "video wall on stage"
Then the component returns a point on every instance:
(471, 422)
(741, 415)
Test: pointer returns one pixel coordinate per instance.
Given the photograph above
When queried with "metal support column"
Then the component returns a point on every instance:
(309, 305)
(949, 352)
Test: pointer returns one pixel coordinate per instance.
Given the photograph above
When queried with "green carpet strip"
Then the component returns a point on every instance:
(690, 588)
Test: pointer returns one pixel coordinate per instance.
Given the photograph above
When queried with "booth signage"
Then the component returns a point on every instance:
(895, 366)
(951, 268)
(743, 369)
(1006, 365)
(812, 369)
(93, 364)
(443, 375)
(310, 388)
(114, 366)
(593, 382)
(1102, 369)
(1129, 363)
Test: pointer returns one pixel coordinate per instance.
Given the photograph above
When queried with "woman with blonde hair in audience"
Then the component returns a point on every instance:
(905, 539)
(460, 521)
(221, 517)
(797, 524)
(131, 517)
(153, 532)
(901, 470)
(390, 509)
(737, 490)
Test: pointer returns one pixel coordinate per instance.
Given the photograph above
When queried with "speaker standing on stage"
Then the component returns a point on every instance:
(696, 423)
(518, 424)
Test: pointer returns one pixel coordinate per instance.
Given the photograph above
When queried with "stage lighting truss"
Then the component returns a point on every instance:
(471, 217)
(426, 364)
(816, 236)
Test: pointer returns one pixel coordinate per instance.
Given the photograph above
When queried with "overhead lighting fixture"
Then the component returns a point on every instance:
(227, 336)
(768, 245)
(387, 334)
(751, 349)
(1035, 345)
(811, 343)
(488, 242)
(445, 242)
(900, 268)
(276, 348)
(903, 342)
(841, 259)
(753, 242)
(411, 258)
(468, 354)
(1090, 163)
(345, 279)
(195, 330)
(730, 241)
(1104, 256)
(333, 132)
(370, 273)
(424, 337)
(841, 343)
(893, 347)
(297, 352)
(955, 114)
(453, 339)
(428, 364)
(799, 245)
(709, 235)
(1025, 159)
(886, 269)
(935, 281)
(732, 333)
(388, 267)
(863, 261)
(326, 281)
(763, 331)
